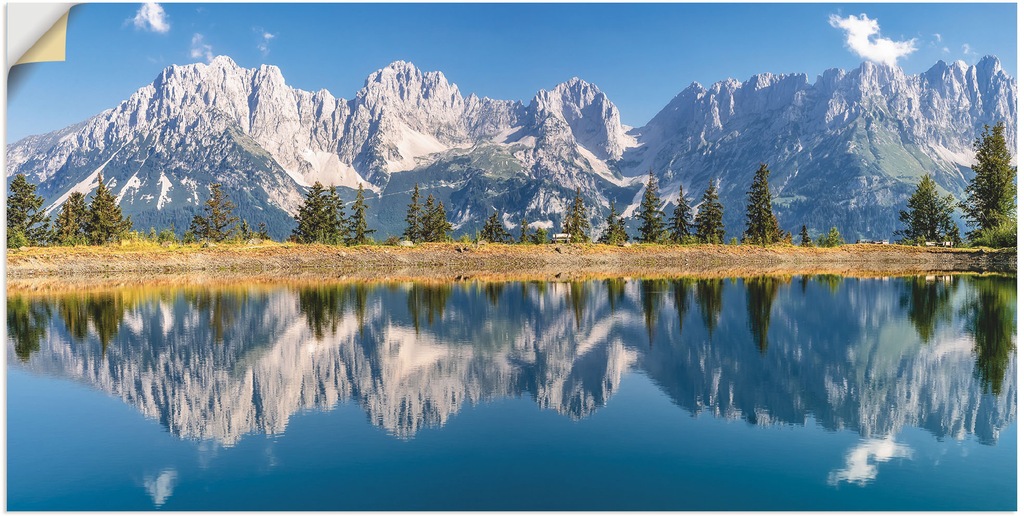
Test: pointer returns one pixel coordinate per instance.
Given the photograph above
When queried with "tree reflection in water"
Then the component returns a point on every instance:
(432, 347)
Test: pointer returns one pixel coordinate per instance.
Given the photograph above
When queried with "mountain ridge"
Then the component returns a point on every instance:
(266, 141)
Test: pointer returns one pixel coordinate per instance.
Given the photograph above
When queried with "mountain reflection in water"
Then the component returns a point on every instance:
(871, 355)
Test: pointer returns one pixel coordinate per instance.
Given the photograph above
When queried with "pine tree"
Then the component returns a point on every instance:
(615, 228)
(340, 219)
(219, 222)
(832, 239)
(710, 229)
(437, 223)
(244, 230)
(426, 234)
(992, 194)
(651, 216)
(334, 218)
(414, 217)
(524, 231)
(261, 231)
(69, 228)
(358, 233)
(762, 226)
(930, 217)
(311, 220)
(24, 216)
(106, 224)
(805, 238)
(680, 226)
(540, 236)
(576, 224)
(494, 230)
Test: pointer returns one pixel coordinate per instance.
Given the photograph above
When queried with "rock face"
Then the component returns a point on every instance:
(845, 150)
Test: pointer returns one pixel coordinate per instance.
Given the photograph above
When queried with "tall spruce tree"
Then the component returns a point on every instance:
(992, 193)
(106, 224)
(710, 229)
(576, 224)
(70, 226)
(615, 228)
(338, 226)
(651, 217)
(680, 225)
(436, 227)
(805, 238)
(340, 220)
(930, 217)
(218, 222)
(494, 230)
(25, 219)
(762, 226)
(524, 231)
(358, 233)
(312, 219)
(414, 217)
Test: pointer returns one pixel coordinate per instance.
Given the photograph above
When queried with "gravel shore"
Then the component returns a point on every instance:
(150, 263)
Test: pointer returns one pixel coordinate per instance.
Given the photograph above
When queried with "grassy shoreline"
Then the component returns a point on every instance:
(149, 262)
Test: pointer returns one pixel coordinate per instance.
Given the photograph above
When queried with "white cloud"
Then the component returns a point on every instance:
(938, 37)
(151, 17)
(161, 487)
(200, 49)
(264, 44)
(863, 39)
(968, 51)
(945, 50)
(862, 460)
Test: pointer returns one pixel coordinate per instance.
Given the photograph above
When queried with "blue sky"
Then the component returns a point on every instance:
(640, 55)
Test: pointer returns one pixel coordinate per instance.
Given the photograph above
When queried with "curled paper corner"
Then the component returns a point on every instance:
(37, 32)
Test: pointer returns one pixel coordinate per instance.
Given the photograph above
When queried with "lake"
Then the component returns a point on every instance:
(782, 393)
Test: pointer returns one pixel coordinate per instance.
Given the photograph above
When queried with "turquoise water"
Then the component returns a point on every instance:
(761, 393)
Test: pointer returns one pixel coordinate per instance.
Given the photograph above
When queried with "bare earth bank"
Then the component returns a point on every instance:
(49, 268)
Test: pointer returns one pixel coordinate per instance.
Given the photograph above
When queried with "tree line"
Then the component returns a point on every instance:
(989, 210)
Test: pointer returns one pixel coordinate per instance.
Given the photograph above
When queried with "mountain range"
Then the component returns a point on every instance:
(845, 150)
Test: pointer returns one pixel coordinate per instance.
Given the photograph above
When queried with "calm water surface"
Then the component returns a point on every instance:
(815, 392)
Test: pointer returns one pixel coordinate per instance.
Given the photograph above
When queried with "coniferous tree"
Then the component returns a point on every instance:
(805, 238)
(540, 236)
(615, 228)
(25, 218)
(219, 221)
(414, 217)
(69, 228)
(832, 239)
(762, 226)
(992, 193)
(680, 226)
(261, 231)
(437, 226)
(332, 217)
(311, 219)
(358, 233)
(930, 217)
(244, 230)
(524, 231)
(494, 230)
(426, 220)
(576, 224)
(710, 229)
(651, 216)
(106, 224)
(340, 220)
